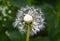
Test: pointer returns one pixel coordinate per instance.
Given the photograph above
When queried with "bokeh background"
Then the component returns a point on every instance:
(9, 9)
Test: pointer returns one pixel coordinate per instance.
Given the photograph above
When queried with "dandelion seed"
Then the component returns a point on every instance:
(4, 11)
(7, 33)
(5, 19)
(9, 11)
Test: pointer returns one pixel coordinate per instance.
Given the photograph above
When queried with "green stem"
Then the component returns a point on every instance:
(28, 33)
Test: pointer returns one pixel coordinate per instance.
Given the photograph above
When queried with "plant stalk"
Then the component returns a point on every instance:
(28, 33)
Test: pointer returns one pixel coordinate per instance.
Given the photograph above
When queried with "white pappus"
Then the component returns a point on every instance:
(30, 14)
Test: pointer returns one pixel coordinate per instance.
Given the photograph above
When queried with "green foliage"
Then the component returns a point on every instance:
(8, 10)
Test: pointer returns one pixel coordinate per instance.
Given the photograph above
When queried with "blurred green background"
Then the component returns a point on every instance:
(8, 10)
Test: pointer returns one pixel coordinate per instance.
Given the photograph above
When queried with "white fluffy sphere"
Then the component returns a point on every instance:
(32, 14)
(28, 18)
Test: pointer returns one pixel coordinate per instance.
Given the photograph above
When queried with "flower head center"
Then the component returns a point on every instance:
(28, 18)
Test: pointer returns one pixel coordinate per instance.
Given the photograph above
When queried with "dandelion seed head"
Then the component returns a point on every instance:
(30, 13)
